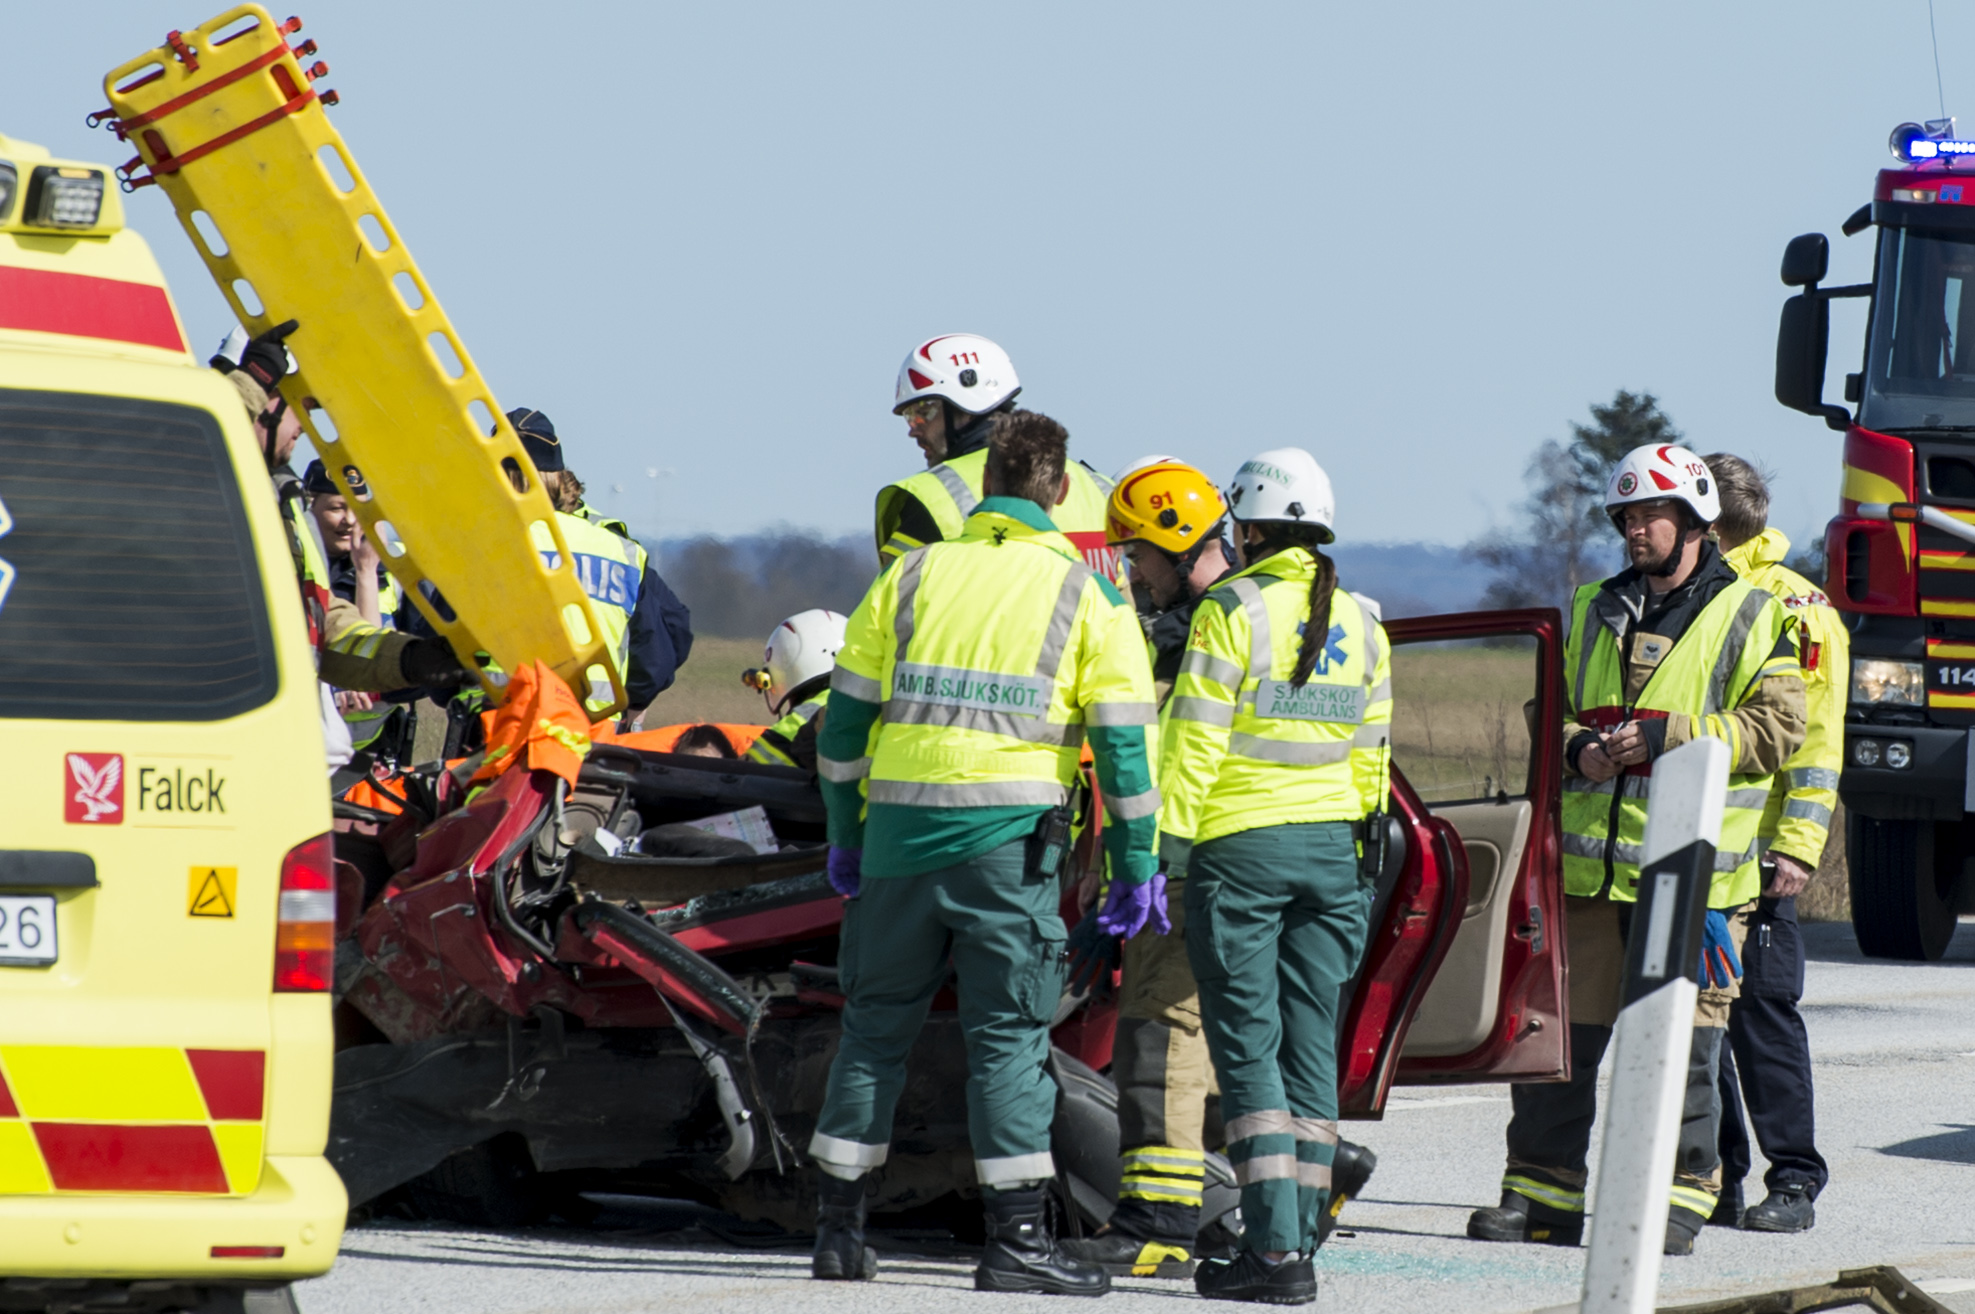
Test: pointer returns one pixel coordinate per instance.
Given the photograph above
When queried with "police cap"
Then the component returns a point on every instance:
(537, 433)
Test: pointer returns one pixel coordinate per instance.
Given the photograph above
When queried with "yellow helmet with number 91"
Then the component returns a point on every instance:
(1169, 504)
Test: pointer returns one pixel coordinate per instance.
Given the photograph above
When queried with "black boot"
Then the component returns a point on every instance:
(841, 1254)
(1249, 1277)
(1519, 1218)
(1682, 1226)
(1787, 1209)
(1350, 1170)
(1145, 1238)
(1021, 1254)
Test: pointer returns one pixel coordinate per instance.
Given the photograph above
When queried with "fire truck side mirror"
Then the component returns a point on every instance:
(1806, 260)
(1801, 342)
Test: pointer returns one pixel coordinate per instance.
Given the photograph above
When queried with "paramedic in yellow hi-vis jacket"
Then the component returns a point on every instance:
(969, 679)
(1273, 751)
(1675, 648)
(1769, 1047)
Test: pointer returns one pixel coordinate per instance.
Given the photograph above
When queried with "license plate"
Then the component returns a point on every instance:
(27, 930)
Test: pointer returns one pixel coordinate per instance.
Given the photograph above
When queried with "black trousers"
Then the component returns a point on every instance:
(1769, 1050)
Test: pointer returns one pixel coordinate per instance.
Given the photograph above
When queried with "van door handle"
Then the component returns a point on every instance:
(46, 869)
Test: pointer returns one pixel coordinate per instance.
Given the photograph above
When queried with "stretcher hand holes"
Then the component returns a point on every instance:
(408, 289)
(373, 232)
(482, 416)
(238, 28)
(387, 535)
(438, 602)
(330, 157)
(325, 428)
(516, 476)
(209, 233)
(250, 300)
(445, 353)
(574, 622)
(148, 74)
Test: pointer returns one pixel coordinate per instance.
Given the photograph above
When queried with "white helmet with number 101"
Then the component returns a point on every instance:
(964, 368)
(1661, 472)
(1285, 484)
(803, 648)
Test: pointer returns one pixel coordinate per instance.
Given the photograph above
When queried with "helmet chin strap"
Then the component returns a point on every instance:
(270, 424)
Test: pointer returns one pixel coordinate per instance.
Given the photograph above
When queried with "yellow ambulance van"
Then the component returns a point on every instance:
(166, 894)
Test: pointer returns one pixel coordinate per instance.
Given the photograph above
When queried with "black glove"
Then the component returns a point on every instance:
(1092, 956)
(265, 358)
(430, 664)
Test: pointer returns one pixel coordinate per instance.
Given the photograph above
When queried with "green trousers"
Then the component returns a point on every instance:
(1275, 924)
(998, 929)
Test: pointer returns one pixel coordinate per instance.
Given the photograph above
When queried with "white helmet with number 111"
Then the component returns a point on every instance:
(963, 368)
(1663, 472)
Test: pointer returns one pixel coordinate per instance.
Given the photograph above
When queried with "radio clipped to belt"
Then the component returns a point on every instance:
(1049, 843)
(1371, 833)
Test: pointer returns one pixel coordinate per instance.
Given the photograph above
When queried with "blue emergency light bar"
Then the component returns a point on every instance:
(1933, 140)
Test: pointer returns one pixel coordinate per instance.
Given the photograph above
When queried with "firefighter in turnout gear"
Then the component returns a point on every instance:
(1675, 648)
(794, 678)
(970, 677)
(1769, 1047)
(357, 576)
(1273, 753)
(950, 390)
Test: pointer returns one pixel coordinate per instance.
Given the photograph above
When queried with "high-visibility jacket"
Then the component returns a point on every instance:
(367, 723)
(611, 569)
(1711, 668)
(600, 520)
(777, 745)
(951, 490)
(1797, 818)
(1241, 747)
(971, 675)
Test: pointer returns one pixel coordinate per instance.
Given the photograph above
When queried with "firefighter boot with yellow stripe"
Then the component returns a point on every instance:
(1142, 1241)
(1519, 1218)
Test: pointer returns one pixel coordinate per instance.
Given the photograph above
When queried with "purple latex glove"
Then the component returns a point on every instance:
(846, 870)
(1129, 908)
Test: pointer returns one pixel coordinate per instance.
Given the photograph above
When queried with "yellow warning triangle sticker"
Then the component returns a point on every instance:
(210, 896)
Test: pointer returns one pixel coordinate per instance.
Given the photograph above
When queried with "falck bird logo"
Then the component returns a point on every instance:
(95, 787)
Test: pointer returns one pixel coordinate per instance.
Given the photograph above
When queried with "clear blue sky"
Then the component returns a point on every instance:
(1416, 239)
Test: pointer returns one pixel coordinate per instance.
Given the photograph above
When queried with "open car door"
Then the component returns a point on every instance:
(1477, 729)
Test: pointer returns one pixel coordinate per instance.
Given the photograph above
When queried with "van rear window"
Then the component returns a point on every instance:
(128, 584)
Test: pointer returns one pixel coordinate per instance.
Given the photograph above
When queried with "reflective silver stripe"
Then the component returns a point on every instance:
(1133, 806)
(1037, 1167)
(1260, 654)
(1316, 1176)
(1264, 1122)
(862, 688)
(1056, 640)
(1813, 778)
(1804, 810)
(1748, 798)
(806, 712)
(1029, 729)
(1732, 645)
(909, 567)
(851, 1154)
(1371, 734)
(1586, 846)
(1642, 787)
(1275, 750)
(1381, 692)
(987, 794)
(1266, 1168)
(1175, 1165)
(842, 773)
(1371, 646)
(1206, 666)
(1121, 714)
(956, 488)
(1322, 1131)
(1207, 711)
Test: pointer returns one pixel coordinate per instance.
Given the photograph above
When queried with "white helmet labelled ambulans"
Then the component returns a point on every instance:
(964, 368)
(1661, 471)
(1283, 484)
(802, 647)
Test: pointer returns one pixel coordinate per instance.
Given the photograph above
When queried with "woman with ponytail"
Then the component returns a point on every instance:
(1273, 752)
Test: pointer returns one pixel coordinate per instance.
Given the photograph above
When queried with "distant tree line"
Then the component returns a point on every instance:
(742, 587)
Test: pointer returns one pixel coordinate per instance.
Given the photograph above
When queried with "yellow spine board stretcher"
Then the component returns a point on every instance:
(225, 119)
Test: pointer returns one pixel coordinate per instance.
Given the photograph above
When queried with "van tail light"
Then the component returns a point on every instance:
(305, 935)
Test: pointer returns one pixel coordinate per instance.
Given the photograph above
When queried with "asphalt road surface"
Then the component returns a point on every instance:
(1894, 1046)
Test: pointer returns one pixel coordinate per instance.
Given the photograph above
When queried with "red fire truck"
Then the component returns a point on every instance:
(1901, 551)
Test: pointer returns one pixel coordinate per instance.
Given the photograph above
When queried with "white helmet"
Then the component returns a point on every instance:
(1661, 471)
(964, 368)
(802, 648)
(1143, 462)
(1284, 484)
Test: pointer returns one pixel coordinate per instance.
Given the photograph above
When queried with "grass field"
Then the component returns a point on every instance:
(709, 686)
(1458, 726)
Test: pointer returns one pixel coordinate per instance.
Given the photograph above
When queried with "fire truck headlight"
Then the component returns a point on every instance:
(61, 196)
(1899, 754)
(1878, 681)
(1865, 752)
